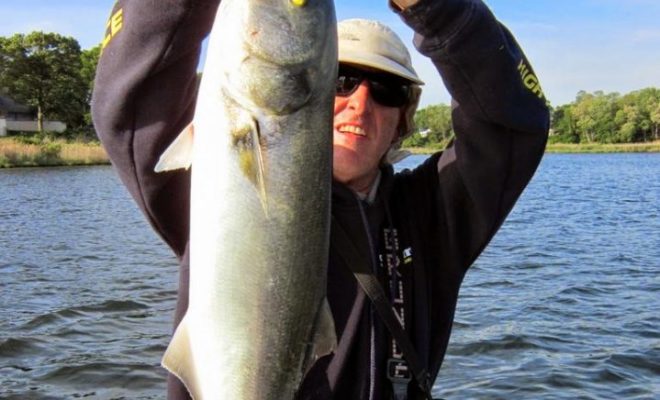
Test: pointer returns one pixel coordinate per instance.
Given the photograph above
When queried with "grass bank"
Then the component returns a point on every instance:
(649, 147)
(16, 153)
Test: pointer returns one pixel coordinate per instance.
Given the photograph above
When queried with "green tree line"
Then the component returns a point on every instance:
(592, 118)
(50, 73)
(608, 118)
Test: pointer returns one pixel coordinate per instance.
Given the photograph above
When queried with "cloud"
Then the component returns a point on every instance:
(646, 35)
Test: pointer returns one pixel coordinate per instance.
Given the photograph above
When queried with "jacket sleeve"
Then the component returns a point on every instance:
(144, 95)
(499, 114)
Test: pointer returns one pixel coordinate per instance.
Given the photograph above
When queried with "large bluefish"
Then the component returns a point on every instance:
(261, 156)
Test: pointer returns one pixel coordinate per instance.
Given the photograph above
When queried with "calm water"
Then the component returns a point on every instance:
(564, 303)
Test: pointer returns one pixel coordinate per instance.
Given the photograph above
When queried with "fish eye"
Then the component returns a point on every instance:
(299, 3)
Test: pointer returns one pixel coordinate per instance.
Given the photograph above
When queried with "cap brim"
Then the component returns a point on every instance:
(378, 62)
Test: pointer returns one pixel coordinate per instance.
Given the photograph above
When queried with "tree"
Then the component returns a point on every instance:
(648, 103)
(89, 60)
(584, 120)
(628, 121)
(655, 119)
(563, 125)
(595, 114)
(433, 127)
(43, 70)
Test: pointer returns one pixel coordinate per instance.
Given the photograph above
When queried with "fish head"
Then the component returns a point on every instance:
(288, 53)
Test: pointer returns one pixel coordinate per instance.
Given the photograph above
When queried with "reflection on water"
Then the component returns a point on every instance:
(564, 303)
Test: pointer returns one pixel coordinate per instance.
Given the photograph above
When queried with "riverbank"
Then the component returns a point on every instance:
(649, 147)
(16, 153)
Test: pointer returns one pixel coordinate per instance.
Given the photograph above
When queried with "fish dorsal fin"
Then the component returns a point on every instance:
(179, 153)
(325, 337)
(247, 143)
(178, 359)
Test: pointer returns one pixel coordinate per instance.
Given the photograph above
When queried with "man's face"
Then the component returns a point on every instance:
(363, 132)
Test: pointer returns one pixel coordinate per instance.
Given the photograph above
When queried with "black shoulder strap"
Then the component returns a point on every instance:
(345, 248)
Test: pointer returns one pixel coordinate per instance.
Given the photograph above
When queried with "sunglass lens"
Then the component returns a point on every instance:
(347, 81)
(389, 93)
(385, 89)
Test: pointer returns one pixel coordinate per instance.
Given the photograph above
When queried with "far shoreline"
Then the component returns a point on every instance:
(576, 148)
(58, 153)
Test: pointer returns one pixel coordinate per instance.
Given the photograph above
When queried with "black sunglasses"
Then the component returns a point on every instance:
(386, 89)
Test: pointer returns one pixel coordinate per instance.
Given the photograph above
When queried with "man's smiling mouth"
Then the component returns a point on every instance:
(356, 130)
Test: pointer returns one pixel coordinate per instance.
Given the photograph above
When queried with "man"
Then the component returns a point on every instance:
(419, 230)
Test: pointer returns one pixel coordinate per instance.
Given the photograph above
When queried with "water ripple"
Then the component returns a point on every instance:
(563, 304)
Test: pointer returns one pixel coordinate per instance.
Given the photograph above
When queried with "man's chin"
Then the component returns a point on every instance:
(344, 162)
(345, 158)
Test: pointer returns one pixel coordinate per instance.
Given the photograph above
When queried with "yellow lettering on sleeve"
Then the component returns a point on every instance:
(117, 22)
(112, 27)
(529, 80)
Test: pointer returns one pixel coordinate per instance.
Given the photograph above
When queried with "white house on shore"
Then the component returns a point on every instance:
(19, 118)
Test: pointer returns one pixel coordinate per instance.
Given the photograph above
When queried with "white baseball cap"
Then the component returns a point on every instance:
(373, 44)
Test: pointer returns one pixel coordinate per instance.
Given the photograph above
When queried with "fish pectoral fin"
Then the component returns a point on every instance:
(247, 142)
(325, 337)
(261, 175)
(179, 361)
(179, 153)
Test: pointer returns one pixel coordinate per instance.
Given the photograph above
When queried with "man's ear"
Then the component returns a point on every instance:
(401, 125)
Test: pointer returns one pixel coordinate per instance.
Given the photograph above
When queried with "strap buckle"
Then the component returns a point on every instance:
(398, 371)
(400, 375)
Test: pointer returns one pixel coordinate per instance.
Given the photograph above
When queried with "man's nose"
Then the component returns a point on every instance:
(360, 99)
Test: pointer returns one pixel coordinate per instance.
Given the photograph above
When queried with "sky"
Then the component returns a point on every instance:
(573, 45)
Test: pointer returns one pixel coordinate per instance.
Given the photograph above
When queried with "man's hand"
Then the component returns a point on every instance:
(402, 4)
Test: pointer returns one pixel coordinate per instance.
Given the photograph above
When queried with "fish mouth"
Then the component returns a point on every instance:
(288, 55)
(288, 35)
